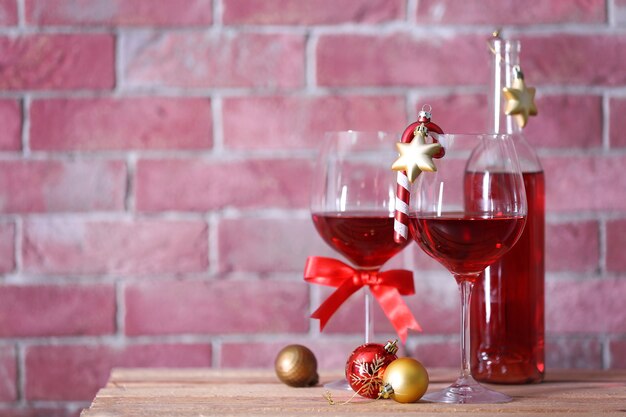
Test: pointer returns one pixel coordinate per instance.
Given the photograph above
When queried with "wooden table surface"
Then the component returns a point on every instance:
(210, 392)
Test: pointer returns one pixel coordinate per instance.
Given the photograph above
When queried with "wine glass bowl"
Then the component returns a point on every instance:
(466, 215)
(353, 197)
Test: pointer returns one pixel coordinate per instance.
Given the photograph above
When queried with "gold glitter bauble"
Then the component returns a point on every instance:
(405, 380)
(296, 366)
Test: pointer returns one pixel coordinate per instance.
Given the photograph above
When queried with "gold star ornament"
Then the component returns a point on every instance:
(416, 156)
(520, 99)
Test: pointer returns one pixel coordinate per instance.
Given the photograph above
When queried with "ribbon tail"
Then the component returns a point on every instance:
(396, 310)
(332, 303)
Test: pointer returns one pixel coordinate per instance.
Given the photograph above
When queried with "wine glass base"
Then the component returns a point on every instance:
(467, 391)
(339, 385)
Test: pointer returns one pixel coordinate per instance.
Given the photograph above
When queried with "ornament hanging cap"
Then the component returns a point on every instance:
(424, 115)
(517, 71)
(392, 346)
(385, 391)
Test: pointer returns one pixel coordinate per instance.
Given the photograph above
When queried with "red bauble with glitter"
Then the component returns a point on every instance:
(366, 366)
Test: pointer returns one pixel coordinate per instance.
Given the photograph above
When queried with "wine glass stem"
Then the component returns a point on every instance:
(465, 286)
(369, 316)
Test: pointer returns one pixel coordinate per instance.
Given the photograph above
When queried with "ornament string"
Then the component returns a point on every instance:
(329, 397)
(387, 288)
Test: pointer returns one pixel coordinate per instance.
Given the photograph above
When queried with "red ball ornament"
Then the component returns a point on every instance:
(366, 366)
(423, 117)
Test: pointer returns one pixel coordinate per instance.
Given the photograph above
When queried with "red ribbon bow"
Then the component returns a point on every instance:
(387, 287)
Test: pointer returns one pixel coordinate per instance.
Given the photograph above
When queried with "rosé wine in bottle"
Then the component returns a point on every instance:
(507, 305)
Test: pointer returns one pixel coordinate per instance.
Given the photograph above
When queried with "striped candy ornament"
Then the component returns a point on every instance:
(403, 191)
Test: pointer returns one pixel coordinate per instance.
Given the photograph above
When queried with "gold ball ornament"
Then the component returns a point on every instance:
(296, 366)
(405, 381)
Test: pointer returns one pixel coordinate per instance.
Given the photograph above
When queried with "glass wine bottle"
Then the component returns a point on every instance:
(507, 306)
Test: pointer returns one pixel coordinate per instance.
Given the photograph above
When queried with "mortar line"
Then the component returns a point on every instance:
(120, 310)
(213, 222)
(21, 14)
(602, 249)
(25, 104)
(18, 240)
(606, 121)
(21, 374)
(217, 119)
(130, 203)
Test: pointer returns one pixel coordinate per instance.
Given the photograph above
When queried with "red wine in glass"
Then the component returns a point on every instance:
(365, 238)
(465, 244)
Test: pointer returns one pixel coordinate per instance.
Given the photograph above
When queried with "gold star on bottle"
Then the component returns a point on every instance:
(416, 156)
(520, 100)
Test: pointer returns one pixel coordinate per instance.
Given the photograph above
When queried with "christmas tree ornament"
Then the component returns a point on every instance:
(520, 99)
(296, 366)
(405, 380)
(416, 156)
(403, 193)
(366, 365)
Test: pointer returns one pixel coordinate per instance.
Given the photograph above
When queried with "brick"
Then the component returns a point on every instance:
(200, 185)
(575, 183)
(117, 13)
(11, 121)
(8, 373)
(615, 244)
(57, 62)
(572, 247)
(617, 349)
(510, 12)
(456, 113)
(617, 122)
(559, 123)
(438, 354)
(573, 353)
(74, 247)
(589, 306)
(316, 12)
(200, 59)
(331, 355)
(563, 59)
(56, 310)
(299, 122)
(400, 59)
(8, 12)
(435, 306)
(7, 247)
(271, 245)
(36, 186)
(120, 123)
(84, 369)
(216, 307)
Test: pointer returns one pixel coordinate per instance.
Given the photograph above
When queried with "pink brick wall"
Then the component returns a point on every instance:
(154, 161)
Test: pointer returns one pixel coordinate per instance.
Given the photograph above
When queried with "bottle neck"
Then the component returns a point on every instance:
(504, 56)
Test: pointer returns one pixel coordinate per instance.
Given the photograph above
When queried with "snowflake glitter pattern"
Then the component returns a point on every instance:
(369, 375)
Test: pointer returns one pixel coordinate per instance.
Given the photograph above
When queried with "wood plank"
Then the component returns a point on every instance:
(207, 392)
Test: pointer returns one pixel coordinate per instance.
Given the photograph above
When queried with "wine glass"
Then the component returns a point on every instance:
(466, 215)
(353, 204)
